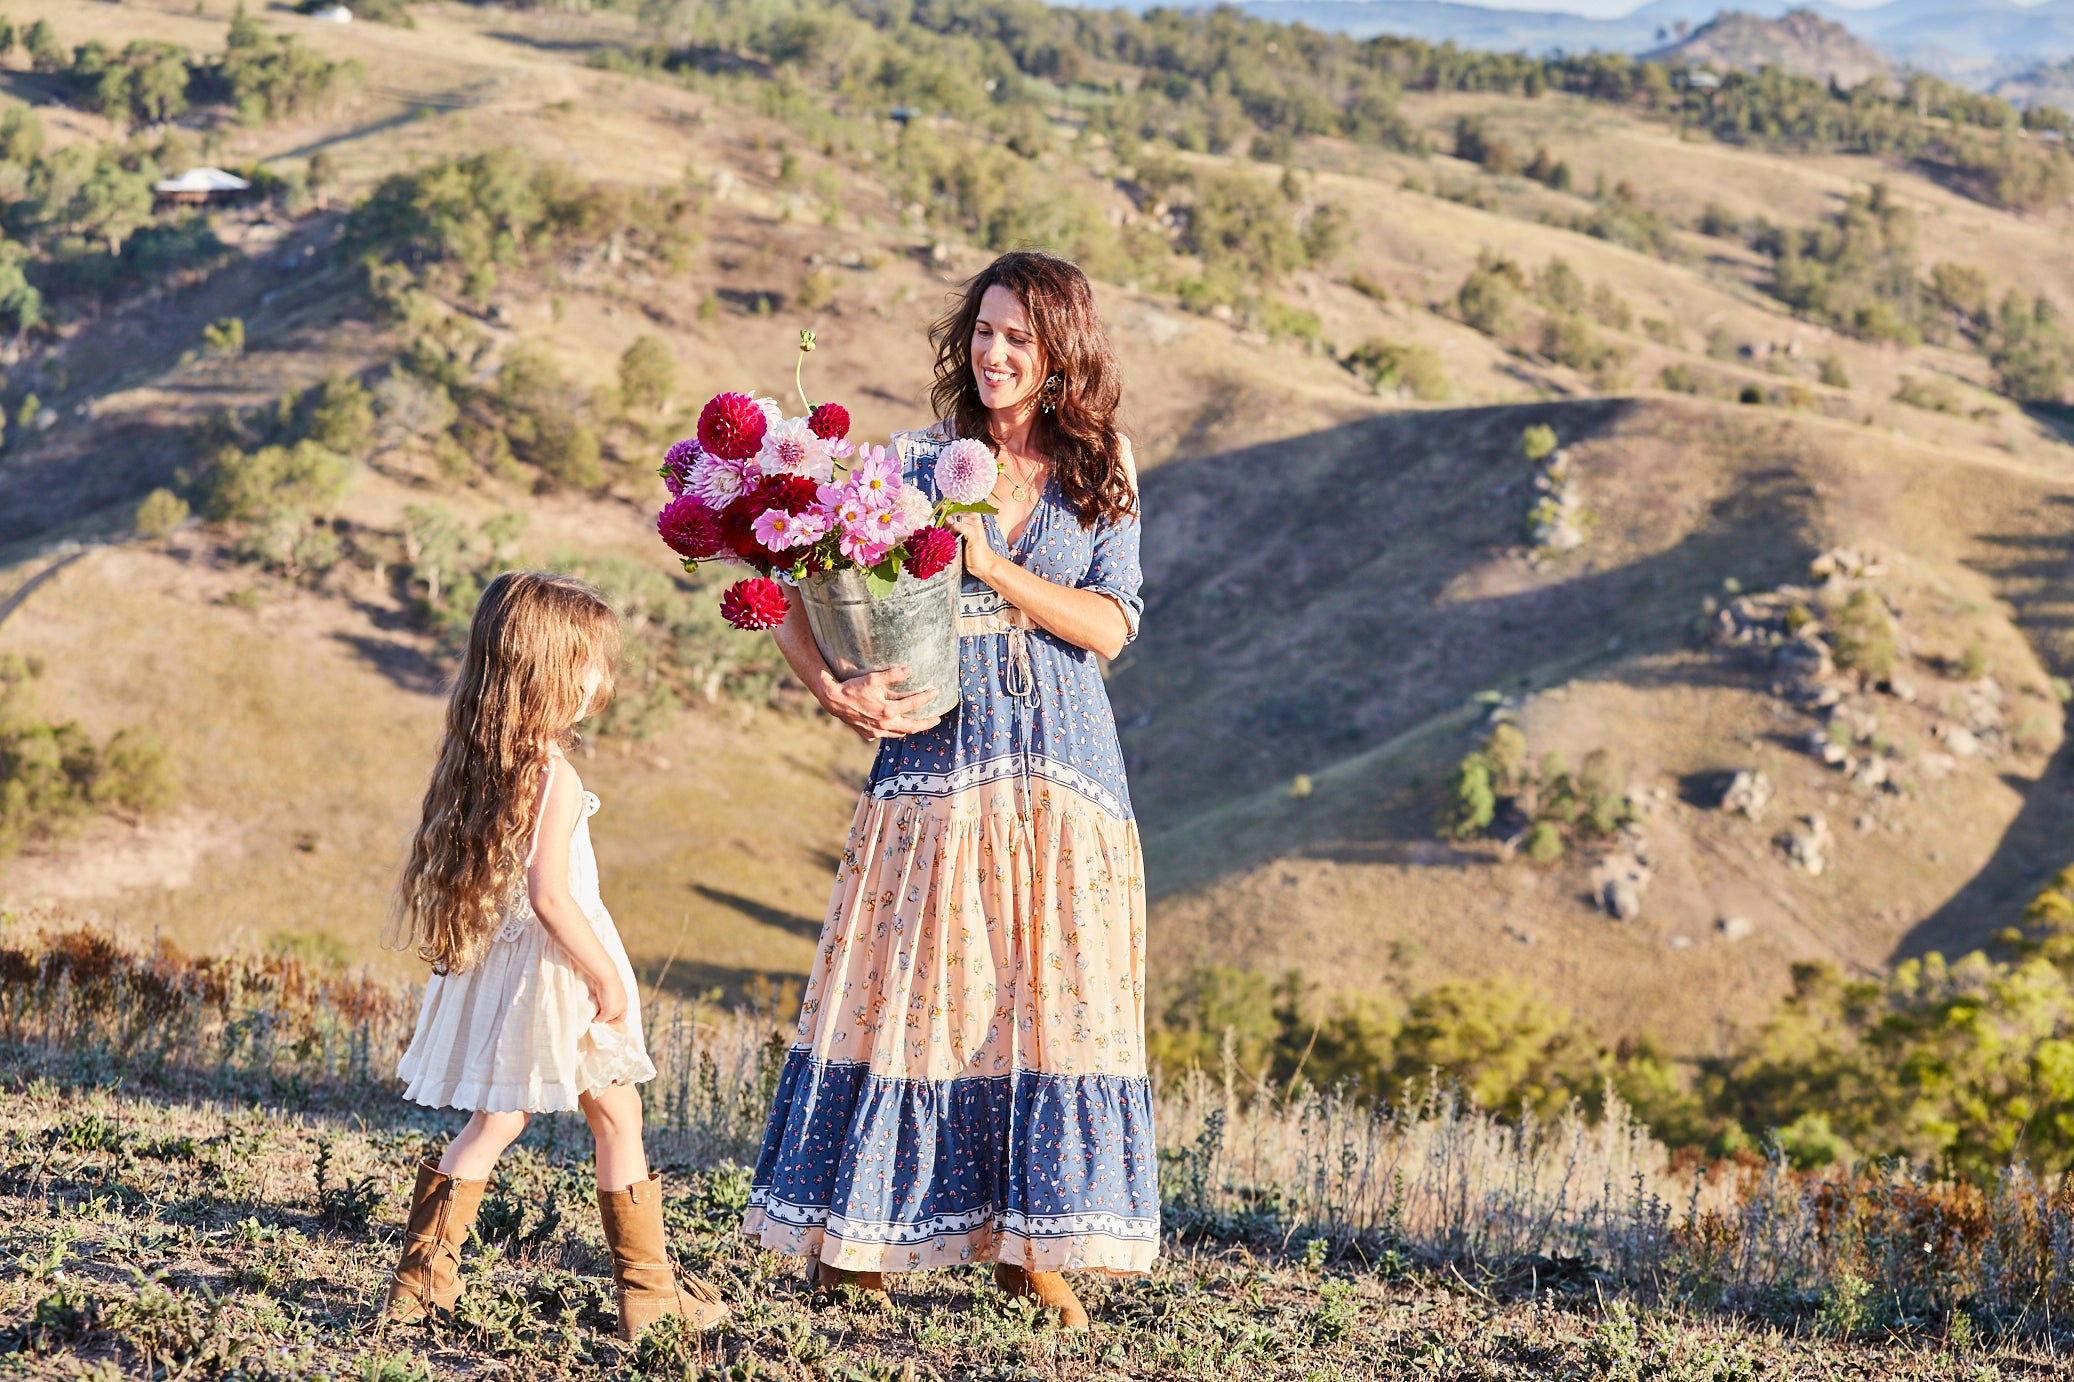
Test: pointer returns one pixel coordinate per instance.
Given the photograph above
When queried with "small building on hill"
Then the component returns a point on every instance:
(200, 187)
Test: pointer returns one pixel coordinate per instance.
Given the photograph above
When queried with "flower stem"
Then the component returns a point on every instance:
(806, 347)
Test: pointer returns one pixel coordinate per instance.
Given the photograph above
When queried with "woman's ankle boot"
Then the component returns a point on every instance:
(428, 1277)
(1050, 1288)
(828, 1278)
(650, 1284)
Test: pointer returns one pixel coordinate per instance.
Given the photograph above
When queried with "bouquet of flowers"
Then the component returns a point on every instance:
(794, 496)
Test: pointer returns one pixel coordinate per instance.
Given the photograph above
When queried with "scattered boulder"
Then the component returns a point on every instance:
(1748, 793)
(1734, 928)
(1820, 745)
(1870, 773)
(1963, 742)
(1847, 562)
(1807, 844)
(1937, 766)
(1618, 883)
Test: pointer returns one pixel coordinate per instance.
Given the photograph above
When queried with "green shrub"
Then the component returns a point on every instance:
(1544, 843)
(1679, 378)
(53, 775)
(1935, 394)
(342, 418)
(1471, 803)
(1569, 340)
(647, 375)
(159, 515)
(1537, 441)
(225, 336)
(247, 486)
(1831, 371)
(1864, 640)
(1390, 367)
(1489, 298)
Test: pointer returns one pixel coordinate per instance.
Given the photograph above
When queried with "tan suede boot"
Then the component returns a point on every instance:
(828, 1278)
(429, 1275)
(1051, 1291)
(650, 1284)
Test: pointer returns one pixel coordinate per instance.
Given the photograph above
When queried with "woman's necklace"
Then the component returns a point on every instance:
(1019, 485)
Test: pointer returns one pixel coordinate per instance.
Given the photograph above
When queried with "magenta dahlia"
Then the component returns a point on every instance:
(829, 422)
(732, 426)
(757, 603)
(679, 462)
(689, 528)
(929, 551)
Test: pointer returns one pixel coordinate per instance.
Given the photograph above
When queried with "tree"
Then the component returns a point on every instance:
(647, 374)
(46, 54)
(1470, 803)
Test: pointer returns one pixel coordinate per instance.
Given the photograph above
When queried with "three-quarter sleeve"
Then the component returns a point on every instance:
(1115, 571)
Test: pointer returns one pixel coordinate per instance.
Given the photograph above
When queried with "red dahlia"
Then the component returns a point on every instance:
(929, 551)
(829, 422)
(689, 528)
(738, 532)
(732, 426)
(792, 493)
(757, 603)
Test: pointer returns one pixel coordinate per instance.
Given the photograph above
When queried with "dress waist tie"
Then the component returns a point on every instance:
(1019, 679)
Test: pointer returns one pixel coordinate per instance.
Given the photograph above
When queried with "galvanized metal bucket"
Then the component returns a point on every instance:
(915, 625)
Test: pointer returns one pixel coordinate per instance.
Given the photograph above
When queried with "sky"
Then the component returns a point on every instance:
(1612, 9)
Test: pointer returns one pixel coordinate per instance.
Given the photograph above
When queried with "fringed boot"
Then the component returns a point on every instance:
(650, 1284)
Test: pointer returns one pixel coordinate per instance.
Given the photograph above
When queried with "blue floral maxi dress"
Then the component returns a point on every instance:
(968, 1082)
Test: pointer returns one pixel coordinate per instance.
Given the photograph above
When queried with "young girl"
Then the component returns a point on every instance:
(531, 1007)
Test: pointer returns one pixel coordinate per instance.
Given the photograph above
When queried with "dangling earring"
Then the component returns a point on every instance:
(1053, 387)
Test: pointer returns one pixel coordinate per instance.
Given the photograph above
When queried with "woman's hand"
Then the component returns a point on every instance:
(609, 994)
(868, 706)
(981, 560)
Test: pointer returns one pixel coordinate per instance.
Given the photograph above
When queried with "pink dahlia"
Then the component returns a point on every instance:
(789, 448)
(930, 551)
(830, 421)
(965, 471)
(732, 426)
(720, 481)
(680, 463)
(689, 528)
(757, 603)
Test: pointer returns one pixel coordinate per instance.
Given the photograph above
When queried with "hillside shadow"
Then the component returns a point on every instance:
(775, 990)
(2034, 574)
(1289, 629)
(808, 928)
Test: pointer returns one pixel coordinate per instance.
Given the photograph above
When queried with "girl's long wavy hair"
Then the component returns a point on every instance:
(1079, 436)
(518, 695)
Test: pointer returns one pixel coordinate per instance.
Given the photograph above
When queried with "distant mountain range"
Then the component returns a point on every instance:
(1978, 42)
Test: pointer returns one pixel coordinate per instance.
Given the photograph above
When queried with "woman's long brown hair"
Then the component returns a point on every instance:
(1079, 437)
(519, 694)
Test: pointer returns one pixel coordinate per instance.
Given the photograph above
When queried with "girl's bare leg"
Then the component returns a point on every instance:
(474, 1151)
(614, 1114)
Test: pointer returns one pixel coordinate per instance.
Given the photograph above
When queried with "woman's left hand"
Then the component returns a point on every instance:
(980, 555)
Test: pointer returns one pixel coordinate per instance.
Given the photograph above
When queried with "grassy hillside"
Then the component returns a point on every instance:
(1337, 506)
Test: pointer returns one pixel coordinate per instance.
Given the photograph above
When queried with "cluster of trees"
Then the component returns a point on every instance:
(1544, 804)
(1493, 297)
(1958, 1066)
(260, 76)
(53, 774)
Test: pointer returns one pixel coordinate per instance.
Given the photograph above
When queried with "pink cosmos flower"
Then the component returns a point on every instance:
(720, 481)
(781, 531)
(876, 476)
(791, 448)
(860, 543)
(844, 505)
(888, 525)
(966, 471)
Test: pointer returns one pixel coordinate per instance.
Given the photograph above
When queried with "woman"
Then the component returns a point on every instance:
(968, 1083)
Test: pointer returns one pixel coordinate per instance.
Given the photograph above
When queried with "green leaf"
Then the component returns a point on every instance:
(877, 584)
(946, 509)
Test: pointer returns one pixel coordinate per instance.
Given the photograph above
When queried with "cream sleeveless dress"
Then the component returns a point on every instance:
(515, 1033)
